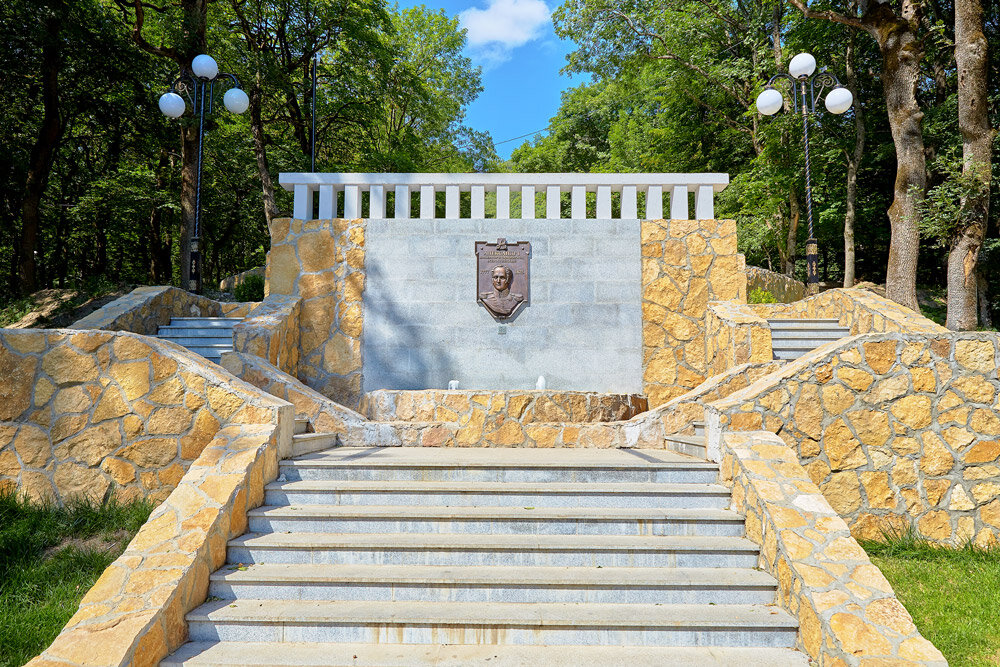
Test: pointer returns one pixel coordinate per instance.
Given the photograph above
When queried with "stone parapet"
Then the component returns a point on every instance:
(783, 288)
(271, 332)
(89, 413)
(858, 309)
(525, 407)
(229, 283)
(145, 309)
(735, 335)
(685, 265)
(847, 611)
(897, 430)
(322, 263)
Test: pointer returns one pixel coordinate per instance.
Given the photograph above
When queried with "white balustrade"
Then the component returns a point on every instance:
(653, 187)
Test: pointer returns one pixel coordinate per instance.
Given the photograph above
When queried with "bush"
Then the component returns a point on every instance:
(251, 289)
(758, 295)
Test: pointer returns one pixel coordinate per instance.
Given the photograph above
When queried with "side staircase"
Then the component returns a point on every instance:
(503, 556)
(207, 336)
(790, 339)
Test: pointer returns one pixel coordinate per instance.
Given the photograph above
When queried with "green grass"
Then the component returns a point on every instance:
(952, 594)
(49, 558)
(12, 311)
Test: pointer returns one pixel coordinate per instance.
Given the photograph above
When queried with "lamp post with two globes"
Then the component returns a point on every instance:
(807, 87)
(198, 85)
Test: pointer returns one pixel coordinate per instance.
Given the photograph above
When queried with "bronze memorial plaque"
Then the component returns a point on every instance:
(502, 276)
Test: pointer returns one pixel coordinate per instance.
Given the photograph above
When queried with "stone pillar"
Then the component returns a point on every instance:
(685, 264)
(322, 262)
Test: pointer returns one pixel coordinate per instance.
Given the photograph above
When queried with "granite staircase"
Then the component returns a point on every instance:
(502, 556)
(790, 339)
(207, 336)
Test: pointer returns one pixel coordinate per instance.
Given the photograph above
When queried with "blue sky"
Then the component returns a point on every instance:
(513, 42)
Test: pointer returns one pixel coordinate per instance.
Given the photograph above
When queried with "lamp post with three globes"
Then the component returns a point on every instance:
(198, 85)
(807, 87)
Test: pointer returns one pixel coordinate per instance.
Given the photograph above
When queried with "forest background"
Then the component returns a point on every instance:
(97, 186)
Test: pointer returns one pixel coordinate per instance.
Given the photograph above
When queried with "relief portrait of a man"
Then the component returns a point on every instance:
(501, 301)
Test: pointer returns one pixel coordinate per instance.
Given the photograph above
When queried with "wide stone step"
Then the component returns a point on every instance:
(500, 465)
(495, 520)
(691, 445)
(202, 322)
(416, 583)
(536, 494)
(205, 341)
(492, 550)
(495, 623)
(803, 323)
(288, 654)
(194, 332)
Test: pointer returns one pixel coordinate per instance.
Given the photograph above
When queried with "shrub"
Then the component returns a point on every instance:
(251, 289)
(758, 295)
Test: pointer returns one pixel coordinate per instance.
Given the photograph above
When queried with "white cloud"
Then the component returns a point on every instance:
(503, 26)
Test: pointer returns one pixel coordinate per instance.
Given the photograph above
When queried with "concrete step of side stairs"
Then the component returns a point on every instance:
(429, 556)
(207, 336)
(790, 339)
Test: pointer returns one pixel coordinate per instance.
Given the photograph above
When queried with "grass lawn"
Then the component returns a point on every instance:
(49, 558)
(953, 596)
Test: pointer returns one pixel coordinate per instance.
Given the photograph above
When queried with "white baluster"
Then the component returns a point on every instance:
(704, 203)
(630, 202)
(503, 202)
(527, 202)
(579, 202)
(654, 202)
(427, 201)
(603, 202)
(478, 195)
(352, 202)
(679, 202)
(376, 201)
(327, 202)
(451, 209)
(552, 201)
(303, 202)
(403, 202)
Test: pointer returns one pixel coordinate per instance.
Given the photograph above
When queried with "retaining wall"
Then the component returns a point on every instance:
(783, 288)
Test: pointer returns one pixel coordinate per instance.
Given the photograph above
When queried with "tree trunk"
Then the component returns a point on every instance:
(189, 198)
(977, 138)
(793, 232)
(260, 150)
(853, 162)
(159, 253)
(985, 313)
(901, 55)
(40, 161)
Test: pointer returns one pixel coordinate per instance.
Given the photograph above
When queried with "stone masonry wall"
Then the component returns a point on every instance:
(897, 430)
(685, 264)
(322, 263)
(145, 309)
(89, 413)
(847, 611)
(735, 335)
(271, 332)
(780, 286)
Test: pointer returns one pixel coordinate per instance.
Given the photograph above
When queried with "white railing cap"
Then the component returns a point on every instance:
(718, 182)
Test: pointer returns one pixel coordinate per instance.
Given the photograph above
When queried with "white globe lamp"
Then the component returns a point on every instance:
(172, 105)
(205, 67)
(839, 100)
(769, 102)
(802, 65)
(236, 100)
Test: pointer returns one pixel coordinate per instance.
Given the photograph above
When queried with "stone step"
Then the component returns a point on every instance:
(204, 341)
(289, 654)
(691, 445)
(194, 332)
(790, 354)
(449, 549)
(496, 623)
(797, 323)
(416, 583)
(205, 321)
(536, 494)
(500, 465)
(494, 520)
(302, 425)
(787, 338)
(309, 443)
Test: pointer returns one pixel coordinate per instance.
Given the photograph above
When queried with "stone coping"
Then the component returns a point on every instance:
(848, 613)
(271, 331)
(521, 406)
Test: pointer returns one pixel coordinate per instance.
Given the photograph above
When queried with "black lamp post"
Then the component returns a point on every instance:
(198, 85)
(807, 87)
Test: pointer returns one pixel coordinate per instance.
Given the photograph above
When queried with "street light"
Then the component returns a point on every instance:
(811, 84)
(198, 85)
